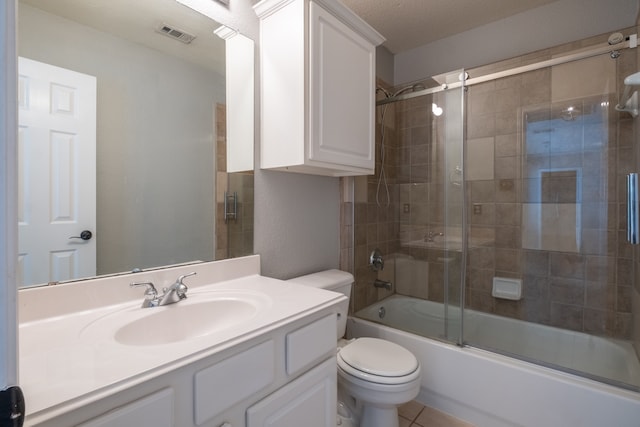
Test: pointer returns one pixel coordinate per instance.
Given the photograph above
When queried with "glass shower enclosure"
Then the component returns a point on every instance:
(504, 227)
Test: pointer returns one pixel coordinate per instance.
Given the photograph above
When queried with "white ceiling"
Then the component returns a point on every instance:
(136, 20)
(411, 23)
(405, 23)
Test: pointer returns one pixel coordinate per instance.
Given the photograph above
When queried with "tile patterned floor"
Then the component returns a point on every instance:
(414, 414)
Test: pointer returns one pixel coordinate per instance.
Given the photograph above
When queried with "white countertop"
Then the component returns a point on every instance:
(65, 364)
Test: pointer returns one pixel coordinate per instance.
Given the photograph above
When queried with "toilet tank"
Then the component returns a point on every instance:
(331, 280)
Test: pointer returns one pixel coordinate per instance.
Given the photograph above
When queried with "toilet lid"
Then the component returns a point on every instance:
(373, 357)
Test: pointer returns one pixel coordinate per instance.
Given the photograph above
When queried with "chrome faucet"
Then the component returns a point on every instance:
(172, 294)
(431, 235)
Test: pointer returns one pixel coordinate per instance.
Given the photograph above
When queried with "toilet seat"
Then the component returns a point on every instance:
(378, 361)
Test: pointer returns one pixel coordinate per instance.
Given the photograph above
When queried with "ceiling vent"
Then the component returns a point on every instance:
(175, 33)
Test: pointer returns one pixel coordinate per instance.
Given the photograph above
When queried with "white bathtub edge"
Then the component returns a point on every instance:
(490, 390)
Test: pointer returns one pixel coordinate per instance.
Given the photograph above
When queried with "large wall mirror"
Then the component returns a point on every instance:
(154, 177)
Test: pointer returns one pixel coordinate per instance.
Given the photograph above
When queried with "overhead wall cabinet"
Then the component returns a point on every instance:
(317, 62)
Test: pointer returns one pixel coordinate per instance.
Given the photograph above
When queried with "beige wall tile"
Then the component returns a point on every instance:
(480, 159)
(593, 79)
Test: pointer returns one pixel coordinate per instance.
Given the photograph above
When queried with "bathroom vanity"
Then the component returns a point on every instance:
(240, 350)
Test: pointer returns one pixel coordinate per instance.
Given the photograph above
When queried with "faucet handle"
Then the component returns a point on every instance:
(376, 262)
(151, 290)
(180, 288)
(150, 293)
(181, 278)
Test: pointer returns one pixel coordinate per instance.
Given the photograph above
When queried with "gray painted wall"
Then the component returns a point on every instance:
(384, 65)
(297, 223)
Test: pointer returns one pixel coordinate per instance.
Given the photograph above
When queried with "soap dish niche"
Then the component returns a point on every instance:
(507, 288)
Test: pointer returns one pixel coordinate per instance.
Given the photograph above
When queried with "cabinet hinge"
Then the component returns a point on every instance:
(12, 407)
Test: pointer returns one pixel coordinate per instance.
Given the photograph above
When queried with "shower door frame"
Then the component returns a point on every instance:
(631, 43)
(455, 142)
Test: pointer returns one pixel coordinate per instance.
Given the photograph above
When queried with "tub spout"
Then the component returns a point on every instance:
(382, 284)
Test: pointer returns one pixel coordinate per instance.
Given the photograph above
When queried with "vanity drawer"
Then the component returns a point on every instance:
(154, 410)
(310, 343)
(232, 380)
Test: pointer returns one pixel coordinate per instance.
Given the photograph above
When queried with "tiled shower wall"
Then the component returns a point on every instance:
(589, 288)
(369, 218)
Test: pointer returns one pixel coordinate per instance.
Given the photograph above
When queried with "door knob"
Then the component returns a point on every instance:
(85, 235)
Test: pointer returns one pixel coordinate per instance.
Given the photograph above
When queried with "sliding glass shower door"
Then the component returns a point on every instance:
(549, 270)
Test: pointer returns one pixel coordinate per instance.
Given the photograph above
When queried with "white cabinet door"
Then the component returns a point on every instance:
(308, 401)
(342, 83)
(227, 383)
(317, 88)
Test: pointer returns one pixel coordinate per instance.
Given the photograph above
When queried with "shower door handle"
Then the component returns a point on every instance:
(632, 209)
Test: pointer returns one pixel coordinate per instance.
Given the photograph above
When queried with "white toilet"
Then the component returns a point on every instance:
(375, 376)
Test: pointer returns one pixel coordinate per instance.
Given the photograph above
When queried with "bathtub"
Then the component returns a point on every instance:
(492, 390)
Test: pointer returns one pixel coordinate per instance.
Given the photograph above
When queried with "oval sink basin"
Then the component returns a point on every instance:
(200, 315)
(182, 321)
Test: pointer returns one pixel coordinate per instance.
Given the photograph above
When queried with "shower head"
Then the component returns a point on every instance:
(615, 38)
(385, 92)
(413, 88)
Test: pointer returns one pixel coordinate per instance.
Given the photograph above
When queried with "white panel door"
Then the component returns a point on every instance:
(56, 173)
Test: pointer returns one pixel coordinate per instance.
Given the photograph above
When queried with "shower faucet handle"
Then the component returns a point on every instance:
(375, 260)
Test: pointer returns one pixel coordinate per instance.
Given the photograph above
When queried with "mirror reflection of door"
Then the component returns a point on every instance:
(57, 173)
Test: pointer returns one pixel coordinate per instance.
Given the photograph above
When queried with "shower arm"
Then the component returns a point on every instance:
(629, 99)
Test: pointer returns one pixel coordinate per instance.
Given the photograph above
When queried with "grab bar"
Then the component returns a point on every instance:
(230, 206)
(632, 209)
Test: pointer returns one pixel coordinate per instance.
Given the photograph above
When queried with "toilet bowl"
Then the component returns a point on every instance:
(375, 376)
